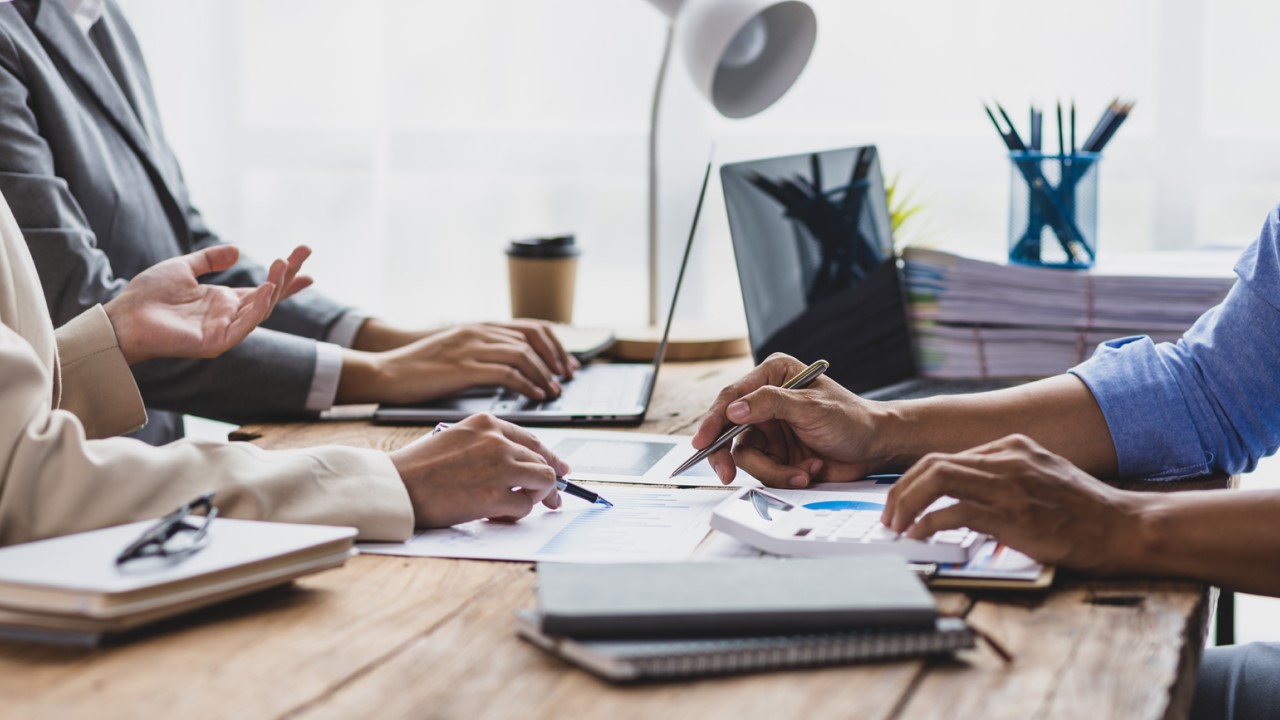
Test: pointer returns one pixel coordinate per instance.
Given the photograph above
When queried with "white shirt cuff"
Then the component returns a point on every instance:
(344, 330)
(324, 383)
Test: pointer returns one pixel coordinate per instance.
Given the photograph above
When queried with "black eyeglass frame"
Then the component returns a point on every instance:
(153, 543)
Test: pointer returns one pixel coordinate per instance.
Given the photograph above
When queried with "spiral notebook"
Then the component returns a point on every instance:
(654, 660)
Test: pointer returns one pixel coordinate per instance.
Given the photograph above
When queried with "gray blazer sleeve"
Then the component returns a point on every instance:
(269, 375)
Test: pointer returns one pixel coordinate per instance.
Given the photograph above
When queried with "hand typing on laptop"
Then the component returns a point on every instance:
(523, 356)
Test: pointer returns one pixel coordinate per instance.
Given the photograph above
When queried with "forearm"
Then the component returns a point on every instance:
(1059, 413)
(1224, 537)
(378, 336)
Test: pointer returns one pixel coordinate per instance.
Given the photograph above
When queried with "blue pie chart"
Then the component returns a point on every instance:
(845, 505)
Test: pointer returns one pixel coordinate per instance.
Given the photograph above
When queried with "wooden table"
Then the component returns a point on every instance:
(431, 638)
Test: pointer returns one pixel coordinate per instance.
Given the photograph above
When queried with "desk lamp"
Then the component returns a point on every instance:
(742, 55)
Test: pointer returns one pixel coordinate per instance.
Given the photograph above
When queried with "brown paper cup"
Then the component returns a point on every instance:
(542, 288)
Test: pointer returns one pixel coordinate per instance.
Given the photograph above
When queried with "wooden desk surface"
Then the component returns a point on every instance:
(410, 637)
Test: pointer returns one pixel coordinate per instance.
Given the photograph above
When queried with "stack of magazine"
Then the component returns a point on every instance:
(976, 318)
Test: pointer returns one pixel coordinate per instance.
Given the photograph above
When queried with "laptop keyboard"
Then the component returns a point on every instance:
(588, 393)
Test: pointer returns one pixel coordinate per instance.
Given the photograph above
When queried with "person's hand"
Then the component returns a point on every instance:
(543, 340)
(482, 467)
(165, 311)
(524, 358)
(819, 433)
(377, 336)
(1022, 495)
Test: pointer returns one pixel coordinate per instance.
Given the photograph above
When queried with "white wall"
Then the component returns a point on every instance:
(407, 140)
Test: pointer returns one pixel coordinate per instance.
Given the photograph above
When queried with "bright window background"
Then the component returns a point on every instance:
(408, 140)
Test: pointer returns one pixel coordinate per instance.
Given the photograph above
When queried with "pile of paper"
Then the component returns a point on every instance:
(975, 318)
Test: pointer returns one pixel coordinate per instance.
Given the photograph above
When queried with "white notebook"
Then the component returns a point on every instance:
(73, 582)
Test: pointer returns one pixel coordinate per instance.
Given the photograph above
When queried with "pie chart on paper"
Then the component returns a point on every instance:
(845, 505)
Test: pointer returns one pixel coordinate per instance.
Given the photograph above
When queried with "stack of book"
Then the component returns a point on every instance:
(975, 318)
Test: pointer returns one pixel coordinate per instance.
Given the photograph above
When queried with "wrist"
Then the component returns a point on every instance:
(1138, 539)
(410, 468)
(118, 314)
(895, 433)
(364, 378)
(377, 336)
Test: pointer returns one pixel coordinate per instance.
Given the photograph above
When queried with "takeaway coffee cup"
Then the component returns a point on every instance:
(542, 272)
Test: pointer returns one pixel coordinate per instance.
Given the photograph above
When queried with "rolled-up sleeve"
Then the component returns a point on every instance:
(1210, 401)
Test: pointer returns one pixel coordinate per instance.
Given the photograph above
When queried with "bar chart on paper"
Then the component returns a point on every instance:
(645, 525)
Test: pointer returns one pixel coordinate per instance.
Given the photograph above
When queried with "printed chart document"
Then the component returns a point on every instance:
(616, 456)
(645, 525)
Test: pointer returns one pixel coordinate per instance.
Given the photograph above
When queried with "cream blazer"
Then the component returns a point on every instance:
(60, 394)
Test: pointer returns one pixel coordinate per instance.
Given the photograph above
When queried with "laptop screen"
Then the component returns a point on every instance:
(819, 277)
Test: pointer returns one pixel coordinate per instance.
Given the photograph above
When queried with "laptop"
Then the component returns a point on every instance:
(819, 275)
(605, 393)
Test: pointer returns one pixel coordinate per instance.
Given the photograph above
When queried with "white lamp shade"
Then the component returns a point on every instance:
(742, 54)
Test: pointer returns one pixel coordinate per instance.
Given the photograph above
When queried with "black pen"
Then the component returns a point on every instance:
(564, 486)
(1062, 145)
(803, 379)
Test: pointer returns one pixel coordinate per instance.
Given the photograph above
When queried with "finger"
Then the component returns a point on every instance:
(528, 440)
(567, 363)
(721, 462)
(943, 479)
(212, 259)
(521, 357)
(772, 403)
(553, 500)
(972, 515)
(486, 373)
(512, 505)
(276, 276)
(908, 479)
(293, 266)
(768, 470)
(536, 481)
(252, 311)
(543, 342)
(300, 283)
(774, 371)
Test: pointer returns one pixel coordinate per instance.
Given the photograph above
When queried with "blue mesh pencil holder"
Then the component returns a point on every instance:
(1053, 209)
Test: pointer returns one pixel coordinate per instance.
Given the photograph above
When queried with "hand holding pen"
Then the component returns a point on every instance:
(798, 436)
(563, 485)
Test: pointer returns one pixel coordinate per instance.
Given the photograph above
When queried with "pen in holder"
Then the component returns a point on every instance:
(1053, 209)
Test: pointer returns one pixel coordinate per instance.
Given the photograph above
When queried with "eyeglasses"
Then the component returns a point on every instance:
(175, 537)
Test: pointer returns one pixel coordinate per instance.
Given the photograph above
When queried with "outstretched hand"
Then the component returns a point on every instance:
(166, 312)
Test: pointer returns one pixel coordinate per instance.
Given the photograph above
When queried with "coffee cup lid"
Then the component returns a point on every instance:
(543, 247)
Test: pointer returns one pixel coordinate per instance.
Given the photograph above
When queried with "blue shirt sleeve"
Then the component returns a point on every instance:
(1210, 401)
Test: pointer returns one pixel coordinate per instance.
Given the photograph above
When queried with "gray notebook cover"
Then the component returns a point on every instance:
(730, 598)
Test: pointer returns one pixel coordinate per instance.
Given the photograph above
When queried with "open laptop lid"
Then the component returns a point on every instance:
(812, 242)
(675, 296)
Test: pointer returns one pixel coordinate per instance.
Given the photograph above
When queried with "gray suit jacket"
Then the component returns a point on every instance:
(99, 196)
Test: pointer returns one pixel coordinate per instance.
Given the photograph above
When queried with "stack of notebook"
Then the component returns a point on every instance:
(975, 318)
(677, 620)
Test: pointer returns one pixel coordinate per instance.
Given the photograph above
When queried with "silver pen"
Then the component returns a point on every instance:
(801, 380)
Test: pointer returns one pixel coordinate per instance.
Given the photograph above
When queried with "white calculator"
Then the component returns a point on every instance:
(774, 525)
